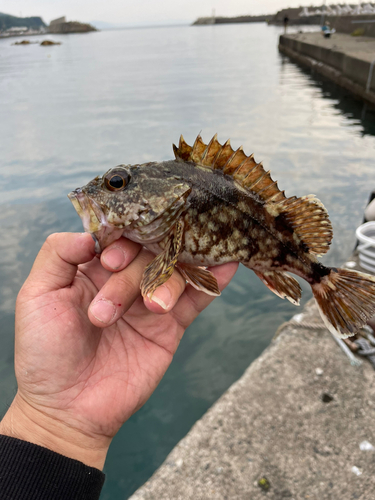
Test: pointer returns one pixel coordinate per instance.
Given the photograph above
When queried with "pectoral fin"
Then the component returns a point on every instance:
(161, 268)
(199, 278)
(281, 284)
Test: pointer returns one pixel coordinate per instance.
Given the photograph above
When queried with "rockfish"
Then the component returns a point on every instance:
(213, 205)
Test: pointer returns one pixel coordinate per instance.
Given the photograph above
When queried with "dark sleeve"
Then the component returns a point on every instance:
(30, 472)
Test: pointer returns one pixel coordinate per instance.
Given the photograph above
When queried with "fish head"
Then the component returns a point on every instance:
(141, 202)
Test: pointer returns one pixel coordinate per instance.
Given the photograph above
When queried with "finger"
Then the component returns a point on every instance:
(95, 272)
(119, 254)
(113, 259)
(56, 263)
(167, 295)
(119, 292)
(192, 302)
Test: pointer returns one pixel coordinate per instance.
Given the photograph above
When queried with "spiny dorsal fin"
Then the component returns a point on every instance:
(183, 152)
(309, 219)
(307, 215)
(199, 148)
(212, 149)
(244, 169)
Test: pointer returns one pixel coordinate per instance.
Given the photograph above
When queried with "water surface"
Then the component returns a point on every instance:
(72, 111)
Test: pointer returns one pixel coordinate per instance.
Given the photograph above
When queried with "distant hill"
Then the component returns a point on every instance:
(7, 21)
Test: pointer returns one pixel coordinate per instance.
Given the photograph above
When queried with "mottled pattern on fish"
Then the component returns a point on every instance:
(213, 205)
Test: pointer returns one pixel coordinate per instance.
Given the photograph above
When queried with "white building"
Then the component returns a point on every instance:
(17, 30)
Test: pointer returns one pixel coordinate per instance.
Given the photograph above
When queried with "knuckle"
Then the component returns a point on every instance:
(124, 281)
(24, 295)
(178, 282)
(52, 240)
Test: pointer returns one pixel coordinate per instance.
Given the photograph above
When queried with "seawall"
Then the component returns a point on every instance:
(348, 61)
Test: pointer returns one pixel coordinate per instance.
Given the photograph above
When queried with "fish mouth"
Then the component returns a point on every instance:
(94, 220)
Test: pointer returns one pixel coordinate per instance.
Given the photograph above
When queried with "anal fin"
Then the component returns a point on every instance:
(283, 285)
(199, 278)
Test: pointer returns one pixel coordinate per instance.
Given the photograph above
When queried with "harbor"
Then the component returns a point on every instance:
(260, 401)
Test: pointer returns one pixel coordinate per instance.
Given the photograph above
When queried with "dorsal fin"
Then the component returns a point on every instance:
(183, 152)
(212, 149)
(198, 149)
(306, 216)
(244, 169)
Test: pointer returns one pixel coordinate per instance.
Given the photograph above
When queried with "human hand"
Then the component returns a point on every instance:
(89, 351)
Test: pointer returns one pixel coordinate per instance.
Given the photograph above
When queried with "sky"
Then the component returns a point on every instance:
(143, 12)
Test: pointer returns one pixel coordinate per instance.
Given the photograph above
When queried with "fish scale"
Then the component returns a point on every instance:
(213, 205)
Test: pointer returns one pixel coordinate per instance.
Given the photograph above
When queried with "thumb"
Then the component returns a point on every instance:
(56, 263)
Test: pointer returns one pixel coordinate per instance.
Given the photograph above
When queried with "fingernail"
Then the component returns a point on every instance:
(114, 258)
(103, 310)
(162, 296)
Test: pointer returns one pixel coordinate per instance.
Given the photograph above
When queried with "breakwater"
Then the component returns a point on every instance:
(348, 61)
(229, 20)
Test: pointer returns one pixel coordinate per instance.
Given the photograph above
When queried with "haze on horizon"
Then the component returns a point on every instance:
(143, 12)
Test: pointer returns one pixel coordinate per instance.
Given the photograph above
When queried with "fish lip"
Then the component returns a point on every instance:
(97, 247)
(78, 200)
(86, 209)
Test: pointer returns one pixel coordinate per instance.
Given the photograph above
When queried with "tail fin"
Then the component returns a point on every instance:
(346, 300)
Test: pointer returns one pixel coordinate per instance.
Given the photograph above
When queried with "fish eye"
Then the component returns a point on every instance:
(116, 180)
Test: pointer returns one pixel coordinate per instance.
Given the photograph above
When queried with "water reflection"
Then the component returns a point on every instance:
(354, 109)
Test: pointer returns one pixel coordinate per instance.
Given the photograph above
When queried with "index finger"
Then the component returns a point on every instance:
(119, 292)
(114, 259)
(119, 254)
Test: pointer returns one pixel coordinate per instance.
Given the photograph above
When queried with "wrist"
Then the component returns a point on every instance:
(24, 422)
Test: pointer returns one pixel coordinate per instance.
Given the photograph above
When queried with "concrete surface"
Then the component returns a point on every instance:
(290, 428)
(344, 59)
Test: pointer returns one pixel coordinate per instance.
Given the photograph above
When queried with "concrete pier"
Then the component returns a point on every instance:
(291, 428)
(348, 61)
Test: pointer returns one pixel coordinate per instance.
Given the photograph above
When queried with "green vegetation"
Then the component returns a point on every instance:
(264, 484)
(7, 21)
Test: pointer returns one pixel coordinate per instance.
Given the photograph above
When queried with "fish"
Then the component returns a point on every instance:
(212, 205)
